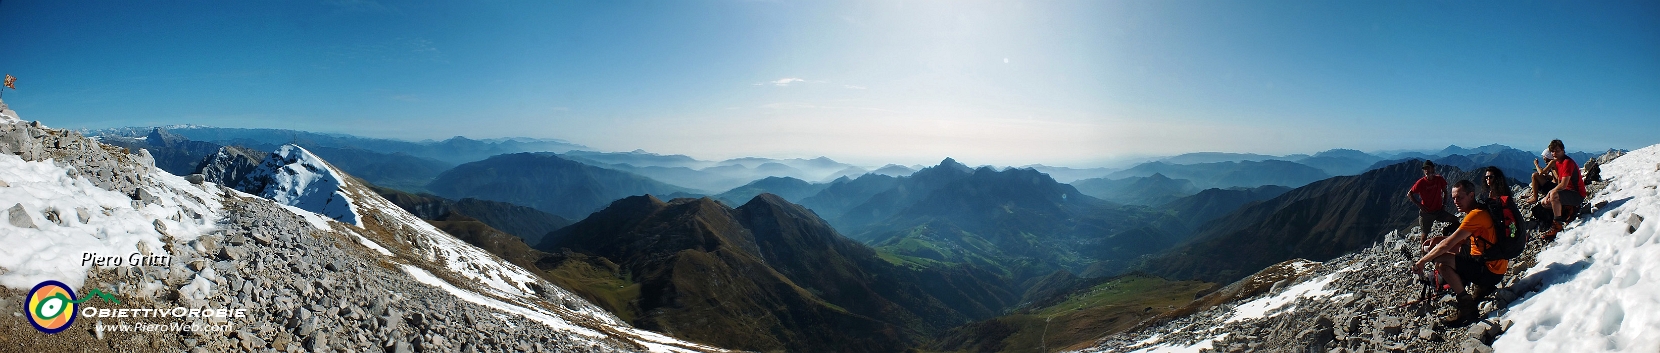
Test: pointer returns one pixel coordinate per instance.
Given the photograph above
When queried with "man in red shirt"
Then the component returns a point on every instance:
(1429, 193)
(1569, 191)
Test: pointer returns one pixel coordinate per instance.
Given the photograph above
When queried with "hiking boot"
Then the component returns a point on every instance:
(1550, 235)
(1466, 310)
(1481, 291)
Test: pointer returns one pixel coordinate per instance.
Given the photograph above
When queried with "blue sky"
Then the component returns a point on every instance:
(1078, 83)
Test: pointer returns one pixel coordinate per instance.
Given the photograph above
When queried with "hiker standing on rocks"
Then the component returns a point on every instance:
(1457, 267)
(1569, 191)
(1429, 193)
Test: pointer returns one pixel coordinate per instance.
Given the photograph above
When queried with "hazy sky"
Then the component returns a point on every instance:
(1076, 83)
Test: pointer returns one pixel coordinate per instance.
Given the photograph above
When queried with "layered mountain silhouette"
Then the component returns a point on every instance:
(174, 154)
(894, 170)
(1216, 157)
(1229, 174)
(523, 222)
(1341, 161)
(1069, 175)
(711, 176)
(1152, 190)
(845, 193)
(791, 189)
(768, 275)
(1318, 221)
(546, 182)
(455, 150)
(179, 155)
(1019, 223)
(1209, 204)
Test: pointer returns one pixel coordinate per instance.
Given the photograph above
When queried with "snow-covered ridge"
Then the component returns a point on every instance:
(295, 177)
(1601, 280)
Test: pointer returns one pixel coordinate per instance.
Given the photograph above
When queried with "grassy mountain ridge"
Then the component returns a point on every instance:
(768, 275)
(1019, 223)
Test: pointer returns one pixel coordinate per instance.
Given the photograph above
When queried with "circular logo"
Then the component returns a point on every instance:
(51, 306)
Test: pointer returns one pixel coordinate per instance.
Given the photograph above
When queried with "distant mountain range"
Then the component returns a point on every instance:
(1019, 223)
(1217, 157)
(791, 189)
(546, 182)
(177, 154)
(711, 176)
(1069, 175)
(1341, 161)
(1230, 174)
(522, 222)
(1208, 204)
(1152, 190)
(455, 150)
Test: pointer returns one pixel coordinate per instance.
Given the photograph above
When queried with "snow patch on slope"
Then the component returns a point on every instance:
(295, 177)
(1261, 307)
(115, 224)
(7, 115)
(1602, 283)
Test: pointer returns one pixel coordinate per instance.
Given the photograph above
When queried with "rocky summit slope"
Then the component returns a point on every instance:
(1590, 290)
(361, 276)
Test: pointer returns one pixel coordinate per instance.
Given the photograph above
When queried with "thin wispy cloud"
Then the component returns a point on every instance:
(794, 105)
(783, 82)
(855, 87)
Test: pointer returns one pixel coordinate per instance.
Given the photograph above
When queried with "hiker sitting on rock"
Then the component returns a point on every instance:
(1429, 193)
(1543, 178)
(1457, 267)
(1564, 199)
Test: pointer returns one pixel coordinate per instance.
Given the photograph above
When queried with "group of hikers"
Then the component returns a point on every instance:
(1481, 244)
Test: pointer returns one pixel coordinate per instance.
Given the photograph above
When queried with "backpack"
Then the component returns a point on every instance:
(1510, 238)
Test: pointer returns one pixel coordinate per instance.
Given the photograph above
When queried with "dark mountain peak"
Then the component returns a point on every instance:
(952, 164)
(1344, 152)
(894, 170)
(458, 139)
(161, 137)
(645, 203)
(780, 180)
(696, 205)
(1453, 149)
(823, 159)
(1158, 177)
(774, 204)
(643, 224)
(767, 198)
(639, 151)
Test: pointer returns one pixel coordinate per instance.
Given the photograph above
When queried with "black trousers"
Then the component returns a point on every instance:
(1427, 219)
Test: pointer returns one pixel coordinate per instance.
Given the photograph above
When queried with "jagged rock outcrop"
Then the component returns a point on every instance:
(230, 166)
